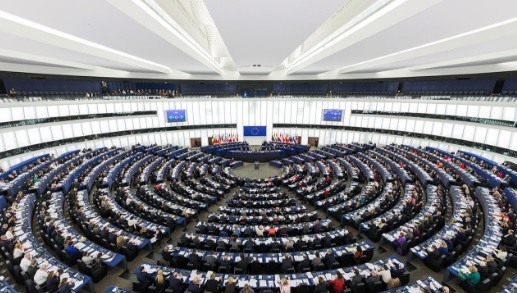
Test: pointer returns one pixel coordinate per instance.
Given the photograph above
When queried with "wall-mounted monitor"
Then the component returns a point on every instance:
(332, 115)
(175, 116)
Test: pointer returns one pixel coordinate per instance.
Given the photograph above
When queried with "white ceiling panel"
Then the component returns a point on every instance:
(443, 20)
(101, 23)
(135, 39)
(265, 32)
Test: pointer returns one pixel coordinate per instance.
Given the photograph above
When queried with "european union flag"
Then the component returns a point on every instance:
(255, 130)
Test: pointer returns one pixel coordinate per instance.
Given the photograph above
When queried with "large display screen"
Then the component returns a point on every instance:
(332, 115)
(176, 116)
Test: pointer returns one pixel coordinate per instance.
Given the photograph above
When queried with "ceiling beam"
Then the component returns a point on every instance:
(464, 40)
(384, 17)
(41, 59)
(20, 27)
(145, 13)
(457, 62)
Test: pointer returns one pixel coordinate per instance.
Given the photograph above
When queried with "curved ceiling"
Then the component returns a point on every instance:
(258, 40)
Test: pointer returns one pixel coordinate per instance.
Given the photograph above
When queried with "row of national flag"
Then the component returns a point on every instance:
(287, 138)
(224, 138)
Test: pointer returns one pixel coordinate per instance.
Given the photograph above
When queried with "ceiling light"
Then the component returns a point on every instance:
(365, 17)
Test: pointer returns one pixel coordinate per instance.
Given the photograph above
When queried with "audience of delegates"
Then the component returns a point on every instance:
(143, 92)
(277, 219)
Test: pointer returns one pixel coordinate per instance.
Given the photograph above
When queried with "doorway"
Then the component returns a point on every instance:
(195, 142)
(313, 141)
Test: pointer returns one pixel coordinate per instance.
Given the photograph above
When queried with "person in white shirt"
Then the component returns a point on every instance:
(260, 231)
(25, 262)
(385, 274)
(501, 254)
(131, 222)
(87, 259)
(18, 250)
(9, 234)
(41, 274)
(289, 244)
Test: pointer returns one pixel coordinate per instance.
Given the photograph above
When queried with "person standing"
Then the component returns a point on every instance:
(285, 287)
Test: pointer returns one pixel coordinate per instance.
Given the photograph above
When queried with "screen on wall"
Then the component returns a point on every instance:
(176, 116)
(332, 115)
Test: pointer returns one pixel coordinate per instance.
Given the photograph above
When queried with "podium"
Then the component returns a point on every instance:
(257, 165)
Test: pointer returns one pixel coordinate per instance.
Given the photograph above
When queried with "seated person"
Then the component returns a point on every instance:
(287, 264)
(385, 274)
(41, 275)
(225, 262)
(501, 253)
(243, 262)
(166, 254)
(357, 278)
(491, 265)
(176, 281)
(329, 259)
(373, 278)
(509, 240)
(401, 240)
(18, 251)
(212, 284)
(211, 260)
(97, 261)
(194, 259)
(338, 284)
(195, 286)
(472, 277)
(247, 289)
(143, 277)
(87, 259)
(433, 252)
(53, 280)
(230, 286)
(271, 231)
(275, 246)
(398, 270)
(321, 286)
(159, 282)
(483, 270)
(289, 244)
(305, 263)
(249, 244)
(358, 252)
(65, 286)
(443, 250)
(25, 262)
(72, 251)
(260, 231)
(32, 269)
(316, 261)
